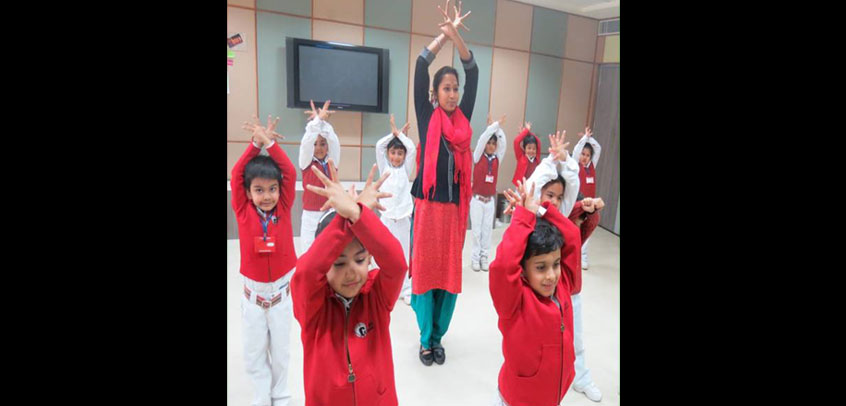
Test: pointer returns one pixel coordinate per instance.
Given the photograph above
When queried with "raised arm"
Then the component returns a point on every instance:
(587, 137)
(287, 190)
(500, 144)
(239, 193)
(505, 282)
(571, 252)
(518, 149)
(388, 254)
(410, 154)
(381, 152)
(546, 171)
(262, 137)
(569, 170)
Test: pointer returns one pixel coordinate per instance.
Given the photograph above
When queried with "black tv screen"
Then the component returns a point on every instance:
(354, 78)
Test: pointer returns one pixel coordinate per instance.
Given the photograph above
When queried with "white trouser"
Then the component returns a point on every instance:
(401, 229)
(266, 332)
(582, 378)
(584, 251)
(481, 221)
(308, 226)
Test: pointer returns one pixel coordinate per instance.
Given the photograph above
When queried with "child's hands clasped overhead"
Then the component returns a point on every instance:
(501, 120)
(322, 113)
(262, 136)
(587, 131)
(394, 130)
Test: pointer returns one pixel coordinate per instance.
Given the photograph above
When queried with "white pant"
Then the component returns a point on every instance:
(481, 222)
(401, 229)
(267, 332)
(584, 251)
(582, 378)
(308, 226)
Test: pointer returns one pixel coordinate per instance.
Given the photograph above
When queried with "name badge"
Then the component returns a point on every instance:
(263, 246)
(489, 178)
(589, 180)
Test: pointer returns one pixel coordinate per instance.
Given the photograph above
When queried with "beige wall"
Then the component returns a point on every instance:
(343, 21)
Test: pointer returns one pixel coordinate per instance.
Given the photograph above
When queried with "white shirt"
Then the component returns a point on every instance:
(314, 128)
(548, 170)
(401, 204)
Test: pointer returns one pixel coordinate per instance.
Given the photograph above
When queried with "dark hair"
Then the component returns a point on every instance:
(396, 143)
(440, 75)
(544, 239)
(261, 166)
(590, 147)
(529, 139)
(324, 222)
(559, 179)
(493, 138)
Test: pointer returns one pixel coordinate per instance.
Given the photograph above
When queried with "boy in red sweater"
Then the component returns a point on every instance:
(262, 196)
(531, 281)
(526, 151)
(344, 310)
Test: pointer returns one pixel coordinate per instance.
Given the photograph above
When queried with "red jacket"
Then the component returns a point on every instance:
(537, 336)
(271, 266)
(524, 167)
(330, 336)
(588, 225)
(313, 201)
(588, 189)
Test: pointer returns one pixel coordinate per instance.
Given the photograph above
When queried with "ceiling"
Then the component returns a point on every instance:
(599, 9)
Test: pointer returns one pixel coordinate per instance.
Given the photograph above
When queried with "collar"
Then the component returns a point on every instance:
(323, 162)
(346, 302)
(532, 160)
(490, 157)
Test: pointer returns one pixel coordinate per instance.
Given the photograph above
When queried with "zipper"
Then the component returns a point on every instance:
(351, 376)
(561, 373)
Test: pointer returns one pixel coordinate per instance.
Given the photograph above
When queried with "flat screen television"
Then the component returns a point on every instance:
(354, 78)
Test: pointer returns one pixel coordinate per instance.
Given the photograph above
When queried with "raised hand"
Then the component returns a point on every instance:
(450, 25)
(337, 197)
(501, 120)
(322, 113)
(529, 202)
(557, 146)
(587, 131)
(262, 135)
(370, 195)
(394, 130)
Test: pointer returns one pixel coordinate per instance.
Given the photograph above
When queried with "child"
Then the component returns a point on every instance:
(343, 309)
(442, 188)
(262, 196)
(483, 204)
(396, 154)
(587, 149)
(319, 143)
(557, 176)
(563, 199)
(526, 151)
(531, 281)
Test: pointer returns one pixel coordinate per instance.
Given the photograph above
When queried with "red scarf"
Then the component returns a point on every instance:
(456, 130)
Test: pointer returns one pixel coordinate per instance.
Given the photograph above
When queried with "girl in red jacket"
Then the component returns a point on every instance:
(262, 197)
(531, 281)
(343, 309)
(526, 151)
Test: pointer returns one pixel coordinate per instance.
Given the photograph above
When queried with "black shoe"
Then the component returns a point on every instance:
(426, 359)
(438, 352)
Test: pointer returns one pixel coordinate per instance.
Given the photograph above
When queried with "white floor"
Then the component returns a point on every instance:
(473, 343)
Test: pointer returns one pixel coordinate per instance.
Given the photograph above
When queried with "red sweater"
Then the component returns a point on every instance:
(537, 336)
(524, 167)
(588, 225)
(480, 171)
(266, 267)
(588, 189)
(313, 201)
(330, 336)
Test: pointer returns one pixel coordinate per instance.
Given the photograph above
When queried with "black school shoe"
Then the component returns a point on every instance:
(426, 359)
(438, 352)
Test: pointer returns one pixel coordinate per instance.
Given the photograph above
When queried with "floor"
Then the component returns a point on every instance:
(473, 342)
